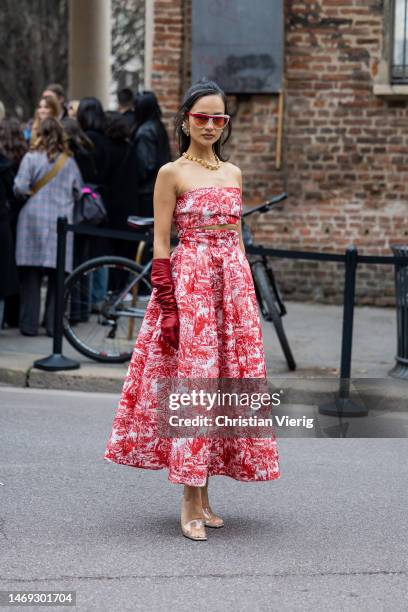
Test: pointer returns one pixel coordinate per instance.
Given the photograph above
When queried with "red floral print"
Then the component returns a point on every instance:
(220, 336)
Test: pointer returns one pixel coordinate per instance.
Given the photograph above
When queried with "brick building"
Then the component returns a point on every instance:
(345, 139)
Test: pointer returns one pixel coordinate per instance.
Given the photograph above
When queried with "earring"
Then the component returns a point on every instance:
(185, 129)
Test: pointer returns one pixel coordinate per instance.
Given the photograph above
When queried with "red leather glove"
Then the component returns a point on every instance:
(163, 283)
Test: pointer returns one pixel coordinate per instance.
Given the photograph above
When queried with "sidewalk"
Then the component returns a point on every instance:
(313, 330)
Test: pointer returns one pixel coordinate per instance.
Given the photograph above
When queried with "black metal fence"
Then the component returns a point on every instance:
(351, 258)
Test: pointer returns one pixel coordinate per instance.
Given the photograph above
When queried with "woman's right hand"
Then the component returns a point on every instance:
(164, 202)
(170, 327)
(162, 281)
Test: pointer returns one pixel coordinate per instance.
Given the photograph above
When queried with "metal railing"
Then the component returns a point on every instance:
(343, 404)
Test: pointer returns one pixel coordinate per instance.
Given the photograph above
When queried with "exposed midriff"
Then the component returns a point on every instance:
(221, 226)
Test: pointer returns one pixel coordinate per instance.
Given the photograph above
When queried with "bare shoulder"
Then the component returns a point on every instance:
(167, 171)
(233, 169)
(234, 172)
(167, 176)
(175, 172)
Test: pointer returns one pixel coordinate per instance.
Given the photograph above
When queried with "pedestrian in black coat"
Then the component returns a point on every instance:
(92, 120)
(126, 106)
(13, 147)
(8, 277)
(123, 180)
(152, 148)
(81, 146)
(122, 189)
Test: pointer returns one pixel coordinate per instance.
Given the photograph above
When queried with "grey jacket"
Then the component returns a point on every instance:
(36, 243)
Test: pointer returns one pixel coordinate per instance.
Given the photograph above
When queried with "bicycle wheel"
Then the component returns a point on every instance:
(105, 331)
(269, 309)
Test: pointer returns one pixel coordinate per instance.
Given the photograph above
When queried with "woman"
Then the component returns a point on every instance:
(13, 147)
(122, 191)
(92, 119)
(82, 149)
(8, 277)
(123, 182)
(12, 141)
(80, 146)
(151, 144)
(202, 319)
(36, 248)
(47, 107)
(151, 150)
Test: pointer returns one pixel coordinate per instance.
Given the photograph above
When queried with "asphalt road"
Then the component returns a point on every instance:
(330, 534)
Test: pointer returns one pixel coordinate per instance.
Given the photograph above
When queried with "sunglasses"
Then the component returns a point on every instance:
(201, 120)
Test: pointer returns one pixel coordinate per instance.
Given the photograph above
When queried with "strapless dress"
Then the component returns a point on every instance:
(220, 337)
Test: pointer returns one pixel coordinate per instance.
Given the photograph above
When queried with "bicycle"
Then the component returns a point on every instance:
(267, 291)
(108, 335)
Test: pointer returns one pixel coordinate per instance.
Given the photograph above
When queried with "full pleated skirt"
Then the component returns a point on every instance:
(220, 336)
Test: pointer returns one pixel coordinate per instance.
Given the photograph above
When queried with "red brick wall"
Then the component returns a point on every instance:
(345, 163)
(167, 66)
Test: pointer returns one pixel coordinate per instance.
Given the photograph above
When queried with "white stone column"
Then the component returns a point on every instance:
(89, 53)
(149, 32)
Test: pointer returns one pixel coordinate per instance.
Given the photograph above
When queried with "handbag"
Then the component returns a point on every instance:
(89, 207)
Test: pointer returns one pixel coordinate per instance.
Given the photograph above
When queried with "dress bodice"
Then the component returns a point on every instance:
(208, 206)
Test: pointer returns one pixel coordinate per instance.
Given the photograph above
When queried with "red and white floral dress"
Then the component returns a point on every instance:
(220, 336)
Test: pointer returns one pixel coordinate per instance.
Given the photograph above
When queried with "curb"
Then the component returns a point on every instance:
(87, 378)
(305, 387)
(14, 378)
(71, 381)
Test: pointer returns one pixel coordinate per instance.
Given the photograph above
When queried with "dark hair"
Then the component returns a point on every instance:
(12, 142)
(117, 126)
(125, 96)
(77, 139)
(146, 107)
(202, 88)
(90, 115)
(51, 139)
(57, 89)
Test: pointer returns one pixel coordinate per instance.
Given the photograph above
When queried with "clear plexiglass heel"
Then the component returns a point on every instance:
(193, 529)
(211, 519)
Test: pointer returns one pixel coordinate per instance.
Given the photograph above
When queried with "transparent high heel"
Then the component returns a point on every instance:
(211, 519)
(193, 529)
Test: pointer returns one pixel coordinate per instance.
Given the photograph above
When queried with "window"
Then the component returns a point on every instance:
(391, 77)
(399, 58)
(239, 44)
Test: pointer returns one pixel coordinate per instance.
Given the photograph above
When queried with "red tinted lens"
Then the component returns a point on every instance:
(200, 120)
(220, 122)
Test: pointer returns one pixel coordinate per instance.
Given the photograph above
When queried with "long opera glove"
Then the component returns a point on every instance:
(163, 283)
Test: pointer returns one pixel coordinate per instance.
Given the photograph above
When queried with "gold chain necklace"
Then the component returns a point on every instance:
(204, 163)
